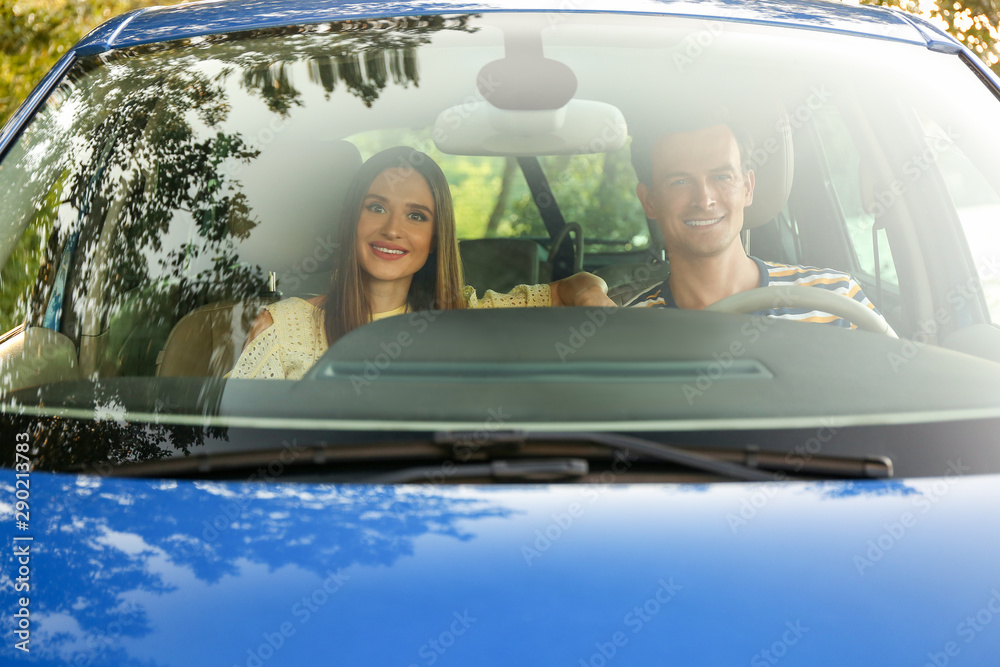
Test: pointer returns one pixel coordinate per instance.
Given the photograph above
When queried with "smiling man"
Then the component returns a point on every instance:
(692, 184)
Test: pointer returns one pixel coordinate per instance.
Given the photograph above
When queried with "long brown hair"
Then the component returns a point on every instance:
(436, 285)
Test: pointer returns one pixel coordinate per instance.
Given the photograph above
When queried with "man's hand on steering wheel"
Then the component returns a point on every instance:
(811, 298)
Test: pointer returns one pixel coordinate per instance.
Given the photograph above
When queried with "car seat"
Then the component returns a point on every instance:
(294, 242)
(502, 264)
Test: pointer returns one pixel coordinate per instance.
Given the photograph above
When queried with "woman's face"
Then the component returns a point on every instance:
(396, 227)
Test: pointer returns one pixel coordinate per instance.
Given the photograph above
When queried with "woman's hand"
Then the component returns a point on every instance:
(581, 289)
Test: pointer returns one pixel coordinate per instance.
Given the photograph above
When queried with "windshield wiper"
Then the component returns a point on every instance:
(420, 458)
(750, 464)
(868, 467)
(623, 443)
(538, 470)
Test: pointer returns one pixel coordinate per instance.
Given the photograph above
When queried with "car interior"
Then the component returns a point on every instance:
(823, 170)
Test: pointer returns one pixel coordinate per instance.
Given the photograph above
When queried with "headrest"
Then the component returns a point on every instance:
(295, 190)
(772, 162)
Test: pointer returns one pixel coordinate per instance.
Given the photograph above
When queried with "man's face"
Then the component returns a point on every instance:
(698, 192)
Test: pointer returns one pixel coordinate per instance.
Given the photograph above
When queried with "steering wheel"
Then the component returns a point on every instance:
(811, 298)
(560, 238)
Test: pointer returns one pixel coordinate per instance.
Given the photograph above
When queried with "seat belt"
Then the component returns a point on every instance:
(552, 217)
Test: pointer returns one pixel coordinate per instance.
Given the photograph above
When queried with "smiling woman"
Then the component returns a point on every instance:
(395, 233)
(401, 255)
(570, 484)
(397, 246)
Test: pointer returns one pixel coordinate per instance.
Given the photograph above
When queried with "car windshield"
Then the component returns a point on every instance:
(165, 193)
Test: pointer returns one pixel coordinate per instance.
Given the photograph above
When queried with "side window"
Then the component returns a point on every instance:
(843, 163)
(34, 226)
(20, 271)
(978, 206)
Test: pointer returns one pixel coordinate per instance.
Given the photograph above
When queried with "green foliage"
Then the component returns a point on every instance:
(112, 184)
(20, 271)
(35, 33)
(491, 197)
(597, 191)
(975, 23)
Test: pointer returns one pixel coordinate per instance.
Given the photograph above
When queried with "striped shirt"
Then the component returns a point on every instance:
(773, 274)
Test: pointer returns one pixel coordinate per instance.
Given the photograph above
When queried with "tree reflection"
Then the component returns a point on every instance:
(113, 551)
(275, 86)
(144, 149)
(363, 56)
(151, 169)
(134, 214)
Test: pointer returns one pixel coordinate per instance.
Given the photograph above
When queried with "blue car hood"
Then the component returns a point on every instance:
(188, 573)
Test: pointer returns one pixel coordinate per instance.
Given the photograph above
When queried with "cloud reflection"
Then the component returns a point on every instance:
(118, 563)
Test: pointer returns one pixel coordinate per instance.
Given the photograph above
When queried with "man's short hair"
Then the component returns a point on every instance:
(645, 134)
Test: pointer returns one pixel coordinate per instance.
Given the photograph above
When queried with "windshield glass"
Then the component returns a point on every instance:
(166, 194)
